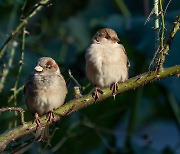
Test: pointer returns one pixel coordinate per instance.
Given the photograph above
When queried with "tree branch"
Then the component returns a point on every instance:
(76, 104)
(164, 50)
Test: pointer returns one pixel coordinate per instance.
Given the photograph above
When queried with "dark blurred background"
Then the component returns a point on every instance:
(141, 121)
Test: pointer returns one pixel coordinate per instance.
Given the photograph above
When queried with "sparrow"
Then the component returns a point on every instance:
(45, 90)
(106, 61)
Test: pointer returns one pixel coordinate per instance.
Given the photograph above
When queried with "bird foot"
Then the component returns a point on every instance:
(37, 121)
(50, 116)
(114, 88)
(96, 92)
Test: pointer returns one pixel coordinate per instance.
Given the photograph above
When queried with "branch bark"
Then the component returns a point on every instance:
(76, 104)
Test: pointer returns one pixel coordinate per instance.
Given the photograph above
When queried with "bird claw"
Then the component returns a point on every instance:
(50, 116)
(37, 121)
(96, 92)
(114, 88)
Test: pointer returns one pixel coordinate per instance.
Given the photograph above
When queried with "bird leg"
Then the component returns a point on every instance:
(36, 120)
(95, 94)
(50, 116)
(114, 88)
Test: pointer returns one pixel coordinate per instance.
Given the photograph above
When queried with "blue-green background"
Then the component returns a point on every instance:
(63, 31)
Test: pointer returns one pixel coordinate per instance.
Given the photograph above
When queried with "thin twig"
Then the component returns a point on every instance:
(21, 62)
(93, 126)
(17, 91)
(149, 17)
(17, 109)
(154, 58)
(167, 7)
(49, 141)
(68, 133)
(162, 25)
(74, 80)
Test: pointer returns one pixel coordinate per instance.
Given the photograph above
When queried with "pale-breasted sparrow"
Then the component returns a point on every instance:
(45, 90)
(106, 61)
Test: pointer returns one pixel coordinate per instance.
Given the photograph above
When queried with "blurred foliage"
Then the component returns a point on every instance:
(138, 121)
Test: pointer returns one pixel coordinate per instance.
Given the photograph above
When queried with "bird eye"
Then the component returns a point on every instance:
(48, 66)
(107, 37)
(100, 35)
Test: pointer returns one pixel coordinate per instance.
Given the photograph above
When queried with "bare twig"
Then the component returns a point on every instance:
(167, 7)
(17, 91)
(17, 109)
(149, 17)
(153, 59)
(84, 101)
(74, 80)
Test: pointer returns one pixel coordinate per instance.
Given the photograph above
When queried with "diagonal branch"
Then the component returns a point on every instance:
(76, 104)
(164, 49)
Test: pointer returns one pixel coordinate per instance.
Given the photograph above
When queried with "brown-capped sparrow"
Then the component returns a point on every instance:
(44, 90)
(106, 61)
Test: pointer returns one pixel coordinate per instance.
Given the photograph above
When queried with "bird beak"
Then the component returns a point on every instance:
(117, 39)
(38, 68)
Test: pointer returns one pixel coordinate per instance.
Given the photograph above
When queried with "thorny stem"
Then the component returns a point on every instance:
(162, 25)
(156, 28)
(166, 46)
(77, 104)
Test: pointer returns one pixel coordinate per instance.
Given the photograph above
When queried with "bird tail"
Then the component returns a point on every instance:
(42, 134)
